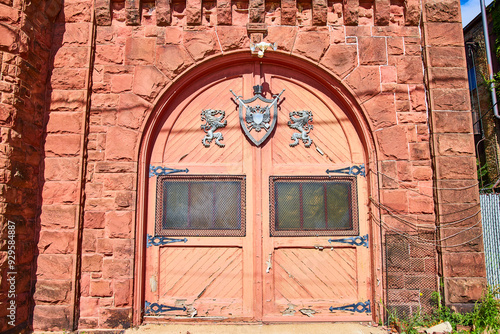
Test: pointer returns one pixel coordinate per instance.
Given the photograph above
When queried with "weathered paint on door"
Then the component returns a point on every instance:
(258, 276)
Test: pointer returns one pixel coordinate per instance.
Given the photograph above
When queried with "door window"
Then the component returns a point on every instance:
(305, 206)
(201, 205)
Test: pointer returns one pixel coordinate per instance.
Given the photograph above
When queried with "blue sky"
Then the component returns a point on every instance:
(470, 9)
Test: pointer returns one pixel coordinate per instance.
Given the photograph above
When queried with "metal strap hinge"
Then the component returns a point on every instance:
(158, 170)
(159, 240)
(155, 308)
(359, 308)
(353, 170)
(355, 241)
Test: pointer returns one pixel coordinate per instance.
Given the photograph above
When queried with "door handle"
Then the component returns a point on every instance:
(269, 263)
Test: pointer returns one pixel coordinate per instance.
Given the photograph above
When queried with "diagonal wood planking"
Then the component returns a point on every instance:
(310, 274)
(207, 278)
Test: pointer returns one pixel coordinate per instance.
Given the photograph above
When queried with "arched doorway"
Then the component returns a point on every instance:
(243, 221)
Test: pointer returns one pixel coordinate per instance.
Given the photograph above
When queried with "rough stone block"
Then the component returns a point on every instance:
(455, 78)
(395, 199)
(89, 307)
(442, 11)
(419, 204)
(393, 142)
(382, 10)
(117, 268)
(193, 12)
(288, 12)
(455, 144)
(319, 12)
(64, 100)
(101, 288)
(172, 60)
(139, 51)
(56, 242)
(54, 267)
(410, 70)
(8, 39)
(58, 216)
(458, 122)
(464, 265)
(444, 34)
(456, 167)
(119, 224)
(123, 248)
(412, 12)
(224, 12)
(311, 44)
(64, 122)
(59, 192)
(372, 51)
(103, 12)
(121, 83)
(459, 241)
(420, 151)
(115, 317)
(351, 12)
(123, 292)
(51, 317)
(382, 110)
(340, 59)
(62, 145)
(132, 10)
(108, 54)
(450, 99)
(52, 291)
(201, 43)
(92, 262)
(123, 149)
(163, 12)
(365, 81)
(464, 290)
(447, 56)
(234, 38)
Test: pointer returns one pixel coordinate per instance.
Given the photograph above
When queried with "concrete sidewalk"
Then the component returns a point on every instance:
(303, 328)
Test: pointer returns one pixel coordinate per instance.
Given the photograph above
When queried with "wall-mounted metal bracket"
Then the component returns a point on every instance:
(353, 170)
(359, 308)
(155, 308)
(355, 241)
(158, 170)
(159, 240)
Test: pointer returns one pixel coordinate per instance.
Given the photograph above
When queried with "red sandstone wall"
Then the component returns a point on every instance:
(25, 42)
(457, 196)
(103, 86)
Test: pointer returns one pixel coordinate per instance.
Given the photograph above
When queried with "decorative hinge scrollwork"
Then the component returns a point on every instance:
(158, 170)
(159, 240)
(155, 308)
(355, 241)
(353, 170)
(358, 307)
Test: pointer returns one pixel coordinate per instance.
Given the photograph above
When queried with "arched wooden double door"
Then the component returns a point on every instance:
(257, 232)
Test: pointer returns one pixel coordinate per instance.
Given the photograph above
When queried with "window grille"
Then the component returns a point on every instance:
(200, 205)
(310, 206)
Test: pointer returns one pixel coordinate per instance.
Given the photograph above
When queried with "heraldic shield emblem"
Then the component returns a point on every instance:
(258, 115)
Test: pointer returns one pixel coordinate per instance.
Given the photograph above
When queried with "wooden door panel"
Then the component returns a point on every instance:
(205, 279)
(184, 142)
(335, 141)
(309, 278)
(225, 277)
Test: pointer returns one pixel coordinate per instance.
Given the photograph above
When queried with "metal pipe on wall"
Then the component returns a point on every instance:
(488, 57)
